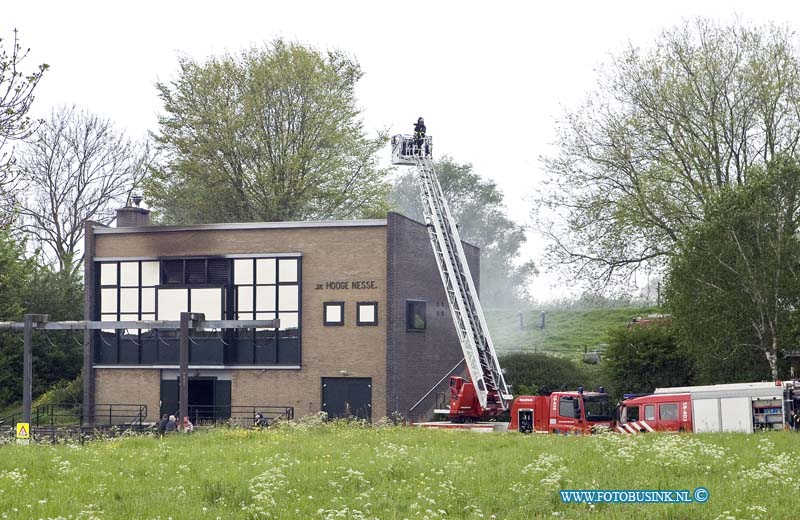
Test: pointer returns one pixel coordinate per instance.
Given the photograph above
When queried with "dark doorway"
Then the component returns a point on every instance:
(209, 398)
(201, 399)
(347, 397)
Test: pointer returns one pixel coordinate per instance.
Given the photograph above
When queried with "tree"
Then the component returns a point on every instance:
(477, 206)
(642, 359)
(57, 356)
(76, 168)
(666, 129)
(735, 283)
(272, 134)
(16, 97)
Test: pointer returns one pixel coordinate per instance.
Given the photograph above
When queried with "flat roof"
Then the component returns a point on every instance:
(102, 230)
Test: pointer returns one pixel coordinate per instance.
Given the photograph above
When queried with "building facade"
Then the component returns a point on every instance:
(364, 329)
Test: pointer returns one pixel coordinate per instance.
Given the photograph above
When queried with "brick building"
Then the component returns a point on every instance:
(364, 322)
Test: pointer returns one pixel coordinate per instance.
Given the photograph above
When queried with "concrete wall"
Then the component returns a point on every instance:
(417, 360)
(330, 254)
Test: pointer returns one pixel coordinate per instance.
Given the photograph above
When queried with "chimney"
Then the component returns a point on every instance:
(133, 216)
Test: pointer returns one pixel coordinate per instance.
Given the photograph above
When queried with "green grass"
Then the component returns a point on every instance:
(353, 472)
(565, 331)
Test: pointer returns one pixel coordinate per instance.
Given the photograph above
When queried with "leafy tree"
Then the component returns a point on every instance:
(57, 356)
(641, 359)
(666, 129)
(16, 272)
(16, 97)
(76, 168)
(734, 285)
(272, 134)
(477, 206)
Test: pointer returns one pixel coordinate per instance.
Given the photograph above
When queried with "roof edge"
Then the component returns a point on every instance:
(244, 225)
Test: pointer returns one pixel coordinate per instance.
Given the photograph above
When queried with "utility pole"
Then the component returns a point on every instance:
(31, 320)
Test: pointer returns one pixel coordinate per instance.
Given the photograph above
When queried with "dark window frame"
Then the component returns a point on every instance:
(411, 306)
(360, 323)
(325, 321)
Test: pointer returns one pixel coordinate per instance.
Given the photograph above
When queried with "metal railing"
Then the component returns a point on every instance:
(240, 415)
(68, 419)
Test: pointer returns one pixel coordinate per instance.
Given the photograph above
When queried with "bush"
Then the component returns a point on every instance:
(642, 359)
(526, 372)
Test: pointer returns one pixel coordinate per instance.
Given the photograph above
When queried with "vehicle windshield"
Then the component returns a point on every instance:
(598, 408)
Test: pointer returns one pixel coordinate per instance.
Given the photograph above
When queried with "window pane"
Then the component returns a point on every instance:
(650, 413)
(171, 302)
(108, 300)
(265, 298)
(129, 300)
(265, 270)
(668, 412)
(244, 295)
(265, 316)
(195, 271)
(288, 320)
(108, 317)
(243, 272)
(567, 408)
(149, 299)
(150, 317)
(173, 271)
(367, 313)
(150, 273)
(288, 270)
(108, 274)
(245, 316)
(415, 315)
(287, 297)
(333, 313)
(209, 302)
(219, 271)
(129, 274)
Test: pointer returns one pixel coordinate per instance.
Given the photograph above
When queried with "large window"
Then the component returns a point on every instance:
(220, 288)
(415, 315)
(268, 288)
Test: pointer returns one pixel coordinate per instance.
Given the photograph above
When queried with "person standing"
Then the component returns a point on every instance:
(419, 135)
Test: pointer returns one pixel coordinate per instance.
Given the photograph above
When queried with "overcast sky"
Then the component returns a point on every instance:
(490, 79)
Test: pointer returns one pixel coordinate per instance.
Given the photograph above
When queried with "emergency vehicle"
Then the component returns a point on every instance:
(738, 407)
(562, 412)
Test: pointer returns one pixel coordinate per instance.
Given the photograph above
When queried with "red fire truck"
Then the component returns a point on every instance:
(556, 412)
(739, 407)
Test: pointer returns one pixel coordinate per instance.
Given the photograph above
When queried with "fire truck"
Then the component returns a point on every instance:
(485, 395)
(739, 407)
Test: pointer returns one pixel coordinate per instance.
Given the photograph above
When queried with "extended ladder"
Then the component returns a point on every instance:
(473, 334)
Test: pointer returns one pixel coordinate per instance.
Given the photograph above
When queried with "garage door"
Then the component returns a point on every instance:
(347, 397)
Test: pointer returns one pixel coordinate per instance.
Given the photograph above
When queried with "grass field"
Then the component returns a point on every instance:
(566, 330)
(345, 471)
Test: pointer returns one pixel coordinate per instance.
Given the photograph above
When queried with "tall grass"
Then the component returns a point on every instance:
(346, 471)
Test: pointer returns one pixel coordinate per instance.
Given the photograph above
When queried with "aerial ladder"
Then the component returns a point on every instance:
(487, 394)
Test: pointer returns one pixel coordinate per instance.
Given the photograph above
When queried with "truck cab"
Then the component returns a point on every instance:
(650, 413)
(562, 412)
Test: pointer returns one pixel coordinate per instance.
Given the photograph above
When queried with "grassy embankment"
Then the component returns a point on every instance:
(566, 332)
(340, 471)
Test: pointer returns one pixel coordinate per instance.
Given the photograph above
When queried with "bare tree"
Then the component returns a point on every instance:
(16, 97)
(76, 168)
